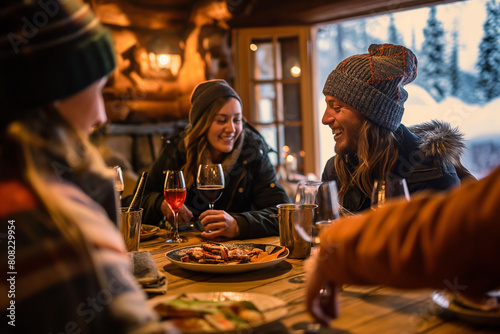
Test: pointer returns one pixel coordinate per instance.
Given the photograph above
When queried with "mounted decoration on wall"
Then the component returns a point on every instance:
(164, 50)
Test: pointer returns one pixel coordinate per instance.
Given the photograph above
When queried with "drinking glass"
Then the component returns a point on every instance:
(210, 182)
(388, 188)
(327, 211)
(119, 184)
(175, 195)
(306, 192)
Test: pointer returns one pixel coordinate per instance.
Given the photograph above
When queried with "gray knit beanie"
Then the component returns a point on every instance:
(50, 50)
(205, 94)
(373, 83)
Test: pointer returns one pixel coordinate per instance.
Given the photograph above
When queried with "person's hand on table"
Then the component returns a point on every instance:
(316, 281)
(185, 214)
(219, 223)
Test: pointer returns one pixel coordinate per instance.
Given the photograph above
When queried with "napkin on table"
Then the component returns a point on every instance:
(147, 274)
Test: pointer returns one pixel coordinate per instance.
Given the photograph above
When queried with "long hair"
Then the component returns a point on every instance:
(377, 155)
(196, 141)
(43, 147)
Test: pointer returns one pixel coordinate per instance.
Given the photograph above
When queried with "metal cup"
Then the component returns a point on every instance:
(288, 214)
(130, 227)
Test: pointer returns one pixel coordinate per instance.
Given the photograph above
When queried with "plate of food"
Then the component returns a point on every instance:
(148, 231)
(217, 312)
(227, 258)
(484, 312)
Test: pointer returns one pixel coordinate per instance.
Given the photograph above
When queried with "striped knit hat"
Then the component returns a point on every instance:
(50, 50)
(373, 83)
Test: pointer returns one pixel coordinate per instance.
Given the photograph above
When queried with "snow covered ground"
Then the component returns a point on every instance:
(480, 124)
(473, 120)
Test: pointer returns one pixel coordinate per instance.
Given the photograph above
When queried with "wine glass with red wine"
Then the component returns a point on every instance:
(175, 195)
(210, 182)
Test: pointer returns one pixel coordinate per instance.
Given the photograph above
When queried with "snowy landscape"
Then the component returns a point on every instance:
(459, 70)
(480, 125)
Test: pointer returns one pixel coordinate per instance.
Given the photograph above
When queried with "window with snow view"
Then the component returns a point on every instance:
(458, 81)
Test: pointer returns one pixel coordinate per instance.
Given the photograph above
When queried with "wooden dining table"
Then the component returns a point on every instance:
(364, 309)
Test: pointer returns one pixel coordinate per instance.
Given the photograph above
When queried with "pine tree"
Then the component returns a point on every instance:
(489, 54)
(364, 33)
(340, 38)
(394, 35)
(433, 76)
(413, 42)
(454, 66)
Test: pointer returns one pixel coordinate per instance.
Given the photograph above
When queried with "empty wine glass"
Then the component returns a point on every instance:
(175, 195)
(210, 182)
(119, 184)
(327, 211)
(388, 188)
(306, 192)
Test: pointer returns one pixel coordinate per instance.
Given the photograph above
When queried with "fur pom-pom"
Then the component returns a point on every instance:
(440, 139)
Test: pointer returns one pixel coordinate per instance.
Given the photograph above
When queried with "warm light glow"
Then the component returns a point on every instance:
(290, 163)
(164, 60)
(286, 149)
(170, 62)
(295, 71)
(152, 58)
(253, 47)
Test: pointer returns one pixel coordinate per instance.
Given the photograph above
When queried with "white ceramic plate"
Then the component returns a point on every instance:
(175, 257)
(446, 301)
(273, 308)
(151, 231)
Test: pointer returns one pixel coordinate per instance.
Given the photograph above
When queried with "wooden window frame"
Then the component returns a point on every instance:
(308, 89)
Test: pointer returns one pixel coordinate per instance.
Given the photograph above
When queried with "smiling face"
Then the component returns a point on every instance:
(225, 129)
(345, 123)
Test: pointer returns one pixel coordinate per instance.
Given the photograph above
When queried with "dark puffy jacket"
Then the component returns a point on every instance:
(429, 156)
(250, 195)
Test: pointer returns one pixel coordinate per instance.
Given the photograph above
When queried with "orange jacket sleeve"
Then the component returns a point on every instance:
(445, 240)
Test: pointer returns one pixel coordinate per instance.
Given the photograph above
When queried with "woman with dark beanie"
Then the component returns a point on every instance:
(217, 133)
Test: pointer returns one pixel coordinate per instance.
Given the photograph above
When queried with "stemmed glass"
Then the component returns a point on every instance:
(327, 211)
(119, 184)
(210, 182)
(175, 195)
(385, 189)
(306, 192)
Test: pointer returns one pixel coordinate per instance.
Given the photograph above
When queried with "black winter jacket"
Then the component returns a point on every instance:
(428, 154)
(250, 195)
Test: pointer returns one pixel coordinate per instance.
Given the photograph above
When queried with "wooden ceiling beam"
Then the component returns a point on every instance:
(261, 13)
(145, 15)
